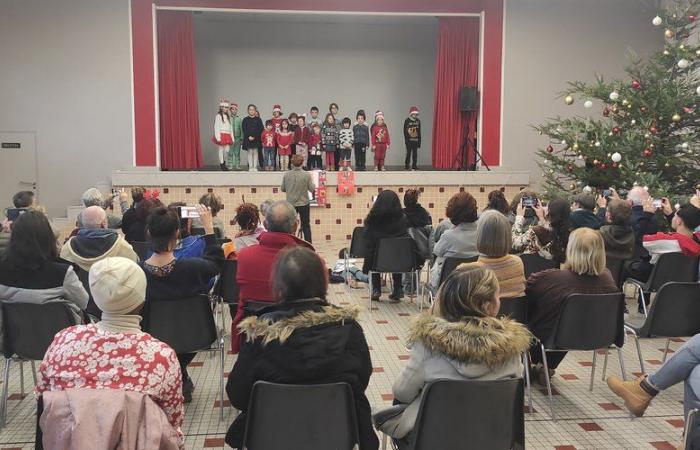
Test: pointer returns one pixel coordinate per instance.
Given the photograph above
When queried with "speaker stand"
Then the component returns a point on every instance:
(461, 159)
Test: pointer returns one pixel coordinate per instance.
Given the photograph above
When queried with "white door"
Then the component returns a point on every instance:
(17, 165)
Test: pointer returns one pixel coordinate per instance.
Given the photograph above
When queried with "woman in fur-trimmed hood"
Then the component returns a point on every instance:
(460, 339)
(302, 339)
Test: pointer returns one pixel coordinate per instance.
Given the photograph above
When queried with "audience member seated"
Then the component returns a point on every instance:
(529, 216)
(417, 216)
(493, 240)
(685, 240)
(95, 241)
(618, 234)
(114, 353)
(130, 216)
(459, 339)
(255, 262)
(93, 197)
(248, 219)
(682, 366)
(30, 271)
(419, 228)
(170, 278)
(460, 241)
(21, 200)
(214, 203)
(582, 214)
(583, 272)
(497, 202)
(643, 213)
(302, 339)
(548, 240)
(385, 220)
(188, 245)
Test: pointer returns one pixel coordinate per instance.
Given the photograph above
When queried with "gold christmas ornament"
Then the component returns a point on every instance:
(668, 33)
(676, 117)
(575, 146)
(624, 102)
(697, 52)
(682, 47)
(569, 100)
(572, 186)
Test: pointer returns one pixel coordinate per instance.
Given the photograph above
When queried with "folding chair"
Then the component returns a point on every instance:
(395, 255)
(451, 263)
(517, 309)
(689, 425)
(616, 266)
(534, 263)
(357, 249)
(141, 249)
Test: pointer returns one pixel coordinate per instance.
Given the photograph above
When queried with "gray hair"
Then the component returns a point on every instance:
(92, 197)
(94, 217)
(265, 206)
(281, 217)
(637, 195)
(493, 234)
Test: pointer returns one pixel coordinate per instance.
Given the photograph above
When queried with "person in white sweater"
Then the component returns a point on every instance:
(223, 132)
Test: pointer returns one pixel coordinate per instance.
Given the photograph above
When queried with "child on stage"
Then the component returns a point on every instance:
(276, 117)
(223, 134)
(269, 139)
(379, 134)
(346, 140)
(333, 109)
(252, 128)
(412, 135)
(234, 154)
(313, 118)
(284, 145)
(301, 139)
(361, 140)
(329, 139)
(315, 161)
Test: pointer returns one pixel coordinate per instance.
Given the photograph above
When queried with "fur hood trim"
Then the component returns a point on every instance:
(486, 340)
(281, 330)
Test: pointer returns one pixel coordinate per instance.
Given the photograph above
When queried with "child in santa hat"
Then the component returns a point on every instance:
(234, 154)
(284, 145)
(379, 135)
(276, 122)
(301, 139)
(223, 133)
(412, 135)
(269, 141)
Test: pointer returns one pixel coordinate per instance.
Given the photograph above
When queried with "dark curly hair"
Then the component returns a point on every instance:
(410, 198)
(461, 208)
(387, 208)
(247, 216)
(558, 213)
(497, 201)
(162, 227)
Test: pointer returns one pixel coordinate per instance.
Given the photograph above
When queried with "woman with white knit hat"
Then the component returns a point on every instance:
(115, 353)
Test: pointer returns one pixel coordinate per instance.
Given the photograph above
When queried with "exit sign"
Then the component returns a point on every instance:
(10, 145)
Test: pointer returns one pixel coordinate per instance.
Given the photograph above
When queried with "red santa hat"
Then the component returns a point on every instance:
(234, 105)
(378, 114)
(223, 102)
(277, 108)
(413, 110)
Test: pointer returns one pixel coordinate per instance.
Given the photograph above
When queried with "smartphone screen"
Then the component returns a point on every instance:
(657, 203)
(188, 212)
(528, 202)
(14, 213)
(607, 193)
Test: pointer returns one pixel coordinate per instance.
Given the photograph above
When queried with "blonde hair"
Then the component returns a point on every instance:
(466, 292)
(493, 234)
(585, 253)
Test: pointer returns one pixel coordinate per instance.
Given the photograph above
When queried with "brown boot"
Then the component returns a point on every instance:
(636, 399)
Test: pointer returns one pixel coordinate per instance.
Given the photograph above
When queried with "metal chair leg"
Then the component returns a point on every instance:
(639, 354)
(590, 386)
(222, 355)
(5, 392)
(33, 372)
(371, 290)
(384, 439)
(549, 383)
(526, 364)
(644, 301)
(622, 363)
(21, 377)
(605, 364)
(668, 344)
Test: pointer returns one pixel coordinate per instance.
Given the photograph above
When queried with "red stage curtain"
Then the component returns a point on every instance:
(180, 147)
(456, 65)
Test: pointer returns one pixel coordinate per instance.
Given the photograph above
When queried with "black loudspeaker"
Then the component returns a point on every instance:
(468, 99)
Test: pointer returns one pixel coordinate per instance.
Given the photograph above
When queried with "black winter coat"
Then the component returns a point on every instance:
(326, 345)
(252, 126)
(375, 232)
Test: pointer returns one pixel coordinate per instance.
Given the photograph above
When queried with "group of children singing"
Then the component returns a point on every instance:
(324, 143)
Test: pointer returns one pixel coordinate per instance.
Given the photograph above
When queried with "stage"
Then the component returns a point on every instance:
(340, 214)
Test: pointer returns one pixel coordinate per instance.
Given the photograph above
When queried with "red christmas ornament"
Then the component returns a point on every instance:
(636, 85)
(647, 152)
(643, 109)
(550, 149)
(606, 111)
(688, 110)
(691, 18)
(603, 166)
(616, 130)
(653, 130)
(570, 168)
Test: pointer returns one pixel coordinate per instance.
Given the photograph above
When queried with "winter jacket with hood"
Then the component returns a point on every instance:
(619, 241)
(581, 218)
(91, 246)
(302, 342)
(472, 349)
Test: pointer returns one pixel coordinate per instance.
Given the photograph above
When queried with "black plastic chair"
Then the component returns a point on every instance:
(517, 309)
(454, 415)
(616, 266)
(451, 263)
(255, 307)
(689, 429)
(141, 249)
(674, 313)
(188, 326)
(357, 249)
(320, 416)
(587, 322)
(29, 329)
(395, 255)
(534, 263)
(670, 267)
(227, 286)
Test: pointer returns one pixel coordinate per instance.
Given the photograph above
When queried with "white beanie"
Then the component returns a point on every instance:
(117, 285)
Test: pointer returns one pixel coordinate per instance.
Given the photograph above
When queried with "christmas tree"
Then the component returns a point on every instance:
(649, 129)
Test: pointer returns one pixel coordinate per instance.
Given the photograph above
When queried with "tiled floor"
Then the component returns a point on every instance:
(586, 420)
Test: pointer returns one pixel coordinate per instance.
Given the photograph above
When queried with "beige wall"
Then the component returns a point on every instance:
(550, 42)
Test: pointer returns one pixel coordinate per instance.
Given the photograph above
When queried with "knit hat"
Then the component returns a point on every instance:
(277, 108)
(413, 110)
(234, 105)
(223, 102)
(378, 114)
(117, 285)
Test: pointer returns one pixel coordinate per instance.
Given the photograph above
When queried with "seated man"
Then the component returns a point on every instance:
(21, 200)
(255, 262)
(618, 234)
(115, 353)
(93, 197)
(582, 214)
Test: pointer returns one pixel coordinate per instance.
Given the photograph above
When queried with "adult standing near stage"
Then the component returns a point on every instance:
(223, 134)
(252, 128)
(297, 183)
(234, 153)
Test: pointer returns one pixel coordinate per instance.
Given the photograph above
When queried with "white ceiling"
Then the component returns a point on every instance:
(242, 16)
